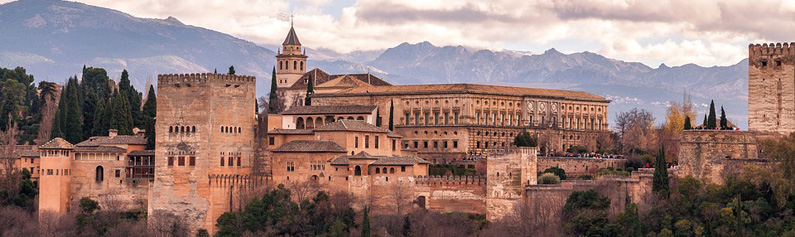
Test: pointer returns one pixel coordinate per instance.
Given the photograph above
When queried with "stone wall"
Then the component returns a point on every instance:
(508, 172)
(453, 193)
(771, 88)
(575, 167)
(713, 155)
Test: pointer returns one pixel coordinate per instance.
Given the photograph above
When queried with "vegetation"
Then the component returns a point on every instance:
(711, 120)
(231, 70)
(310, 89)
(391, 115)
(557, 171)
(524, 139)
(548, 178)
(660, 179)
(272, 95)
(577, 149)
(724, 123)
(688, 125)
(459, 170)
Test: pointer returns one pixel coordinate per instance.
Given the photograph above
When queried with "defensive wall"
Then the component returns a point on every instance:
(575, 166)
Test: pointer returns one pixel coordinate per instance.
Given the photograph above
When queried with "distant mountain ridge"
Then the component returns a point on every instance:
(54, 39)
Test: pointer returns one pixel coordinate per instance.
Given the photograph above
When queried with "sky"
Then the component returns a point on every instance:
(674, 32)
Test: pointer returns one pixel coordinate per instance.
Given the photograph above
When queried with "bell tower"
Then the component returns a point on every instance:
(291, 61)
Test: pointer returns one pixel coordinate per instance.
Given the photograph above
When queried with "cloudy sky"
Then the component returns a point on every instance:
(673, 32)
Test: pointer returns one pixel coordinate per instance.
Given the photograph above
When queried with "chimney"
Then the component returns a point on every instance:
(113, 132)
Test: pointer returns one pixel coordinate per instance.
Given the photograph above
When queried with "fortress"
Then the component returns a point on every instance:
(362, 136)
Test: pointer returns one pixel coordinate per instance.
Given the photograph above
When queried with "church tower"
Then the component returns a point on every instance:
(291, 61)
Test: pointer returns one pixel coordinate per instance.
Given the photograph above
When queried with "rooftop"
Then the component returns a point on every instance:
(142, 153)
(114, 140)
(463, 88)
(322, 77)
(99, 149)
(310, 146)
(380, 160)
(348, 109)
(292, 38)
(291, 131)
(351, 125)
(57, 143)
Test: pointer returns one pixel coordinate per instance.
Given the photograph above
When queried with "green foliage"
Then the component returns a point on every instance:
(580, 200)
(451, 170)
(73, 122)
(660, 179)
(586, 212)
(133, 97)
(149, 133)
(149, 113)
(711, 119)
(121, 118)
(150, 107)
(724, 123)
(688, 126)
(548, 178)
(557, 171)
(704, 124)
(310, 89)
(102, 118)
(272, 95)
(366, 223)
(231, 70)
(88, 205)
(577, 149)
(391, 115)
(202, 233)
(21, 190)
(524, 139)
(629, 222)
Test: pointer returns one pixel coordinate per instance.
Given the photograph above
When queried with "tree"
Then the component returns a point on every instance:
(660, 179)
(391, 115)
(102, 118)
(121, 118)
(556, 171)
(149, 133)
(548, 178)
(231, 70)
(406, 226)
(73, 124)
(635, 129)
(711, 120)
(150, 107)
(272, 95)
(524, 139)
(704, 124)
(310, 89)
(366, 223)
(724, 123)
(149, 113)
(688, 126)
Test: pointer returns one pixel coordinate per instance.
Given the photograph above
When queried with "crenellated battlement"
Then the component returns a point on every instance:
(449, 180)
(201, 78)
(774, 49)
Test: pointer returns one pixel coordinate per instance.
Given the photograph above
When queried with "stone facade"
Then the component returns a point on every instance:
(575, 167)
(713, 155)
(771, 88)
(205, 131)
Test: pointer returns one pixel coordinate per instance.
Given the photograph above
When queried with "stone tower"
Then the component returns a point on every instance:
(291, 61)
(771, 87)
(205, 145)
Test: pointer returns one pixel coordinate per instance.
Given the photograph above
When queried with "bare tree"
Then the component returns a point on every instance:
(635, 129)
(164, 224)
(400, 193)
(302, 190)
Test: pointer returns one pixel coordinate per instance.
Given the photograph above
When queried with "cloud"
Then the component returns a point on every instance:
(674, 32)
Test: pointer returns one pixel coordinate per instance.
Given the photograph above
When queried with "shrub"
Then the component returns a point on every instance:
(557, 171)
(577, 149)
(524, 139)
(585, 177)
(548, 178)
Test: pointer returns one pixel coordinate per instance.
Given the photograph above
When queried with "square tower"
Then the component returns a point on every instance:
(291, 62)
(205, 128)
(771, 88)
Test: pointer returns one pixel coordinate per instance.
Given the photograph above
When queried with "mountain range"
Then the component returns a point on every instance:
(53, 40)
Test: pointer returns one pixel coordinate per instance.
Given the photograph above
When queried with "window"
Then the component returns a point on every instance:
(455, 144)
(290, 166)
(446, 118)
(376, 141)
(100, 174)
(366, 141)
(407, 118)
(192, 161)
(455, 117)
(356, 142)
(356, 171)
(426, 118)
(403, 168)
(416, 144)
(477, 117)
(391, 170)
(424, 144)
(393, 145)
(444, 144)
(271, 141)
(49, 171)
(222, 161)
(118, 173)
(435, 144)
(170, 161)
(231, 162)
(377, 170)
(238, 161)
(181, 160)
(436, 118)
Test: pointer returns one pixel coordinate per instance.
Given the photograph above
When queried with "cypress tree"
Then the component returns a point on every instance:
(391, 115)
(406, 226)
(101, 123)
(724, 124)
(150, 107)
(687, 123)
(660, 179)
(378, 117)
(73, 125)
(231, 70)
(133, 97)
(149, 133)
(366, 223)
(711, 119)
(121, 118)
(272, 96)
(59, 121)
(310, 89)
(704, 124)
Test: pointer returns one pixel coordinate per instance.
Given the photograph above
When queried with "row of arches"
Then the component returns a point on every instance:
(391, 170)
(286, 65)
(228, 129)
(181, 129)
(311, 123)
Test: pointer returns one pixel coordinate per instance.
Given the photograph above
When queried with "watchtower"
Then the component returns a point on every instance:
(771, 87)
(291, 61)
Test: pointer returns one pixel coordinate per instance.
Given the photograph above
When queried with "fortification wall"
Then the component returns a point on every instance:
(771, 87)
(508, 171)
(713, 155)
(578, 166)
(453, 193)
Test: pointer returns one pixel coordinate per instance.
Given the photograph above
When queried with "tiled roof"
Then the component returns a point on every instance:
(103, 149)
(57, 143)
(351, 125)
(27, 153)
(380, 160)
(291, 131)
(310, 146)
(115, 140)
(292, 38)
(345, 81)
(142, 153)
(393, 134)
(463, 88)
(323, 77)
(348, 109)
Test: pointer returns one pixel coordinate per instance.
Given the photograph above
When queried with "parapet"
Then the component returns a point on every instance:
(437, 180)
(757, 50)
(200, 78)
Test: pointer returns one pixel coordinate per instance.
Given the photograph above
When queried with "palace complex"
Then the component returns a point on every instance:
(361, 135)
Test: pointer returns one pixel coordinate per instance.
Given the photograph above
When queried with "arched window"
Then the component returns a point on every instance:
(302, 65)
(222, 128)
(314, 178)
(193, 129)
(350, 118)
(299, 124)
(318, 122)
(100, 174)
(360, 118)
(295, 65)
(239, 130)
(182, 129)
(391, 170)
(310, 123)
(357, 171)
(280, 65)
(377, 170)
(170, 129)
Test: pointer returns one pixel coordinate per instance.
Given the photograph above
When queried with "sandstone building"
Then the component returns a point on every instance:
(771, 88)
